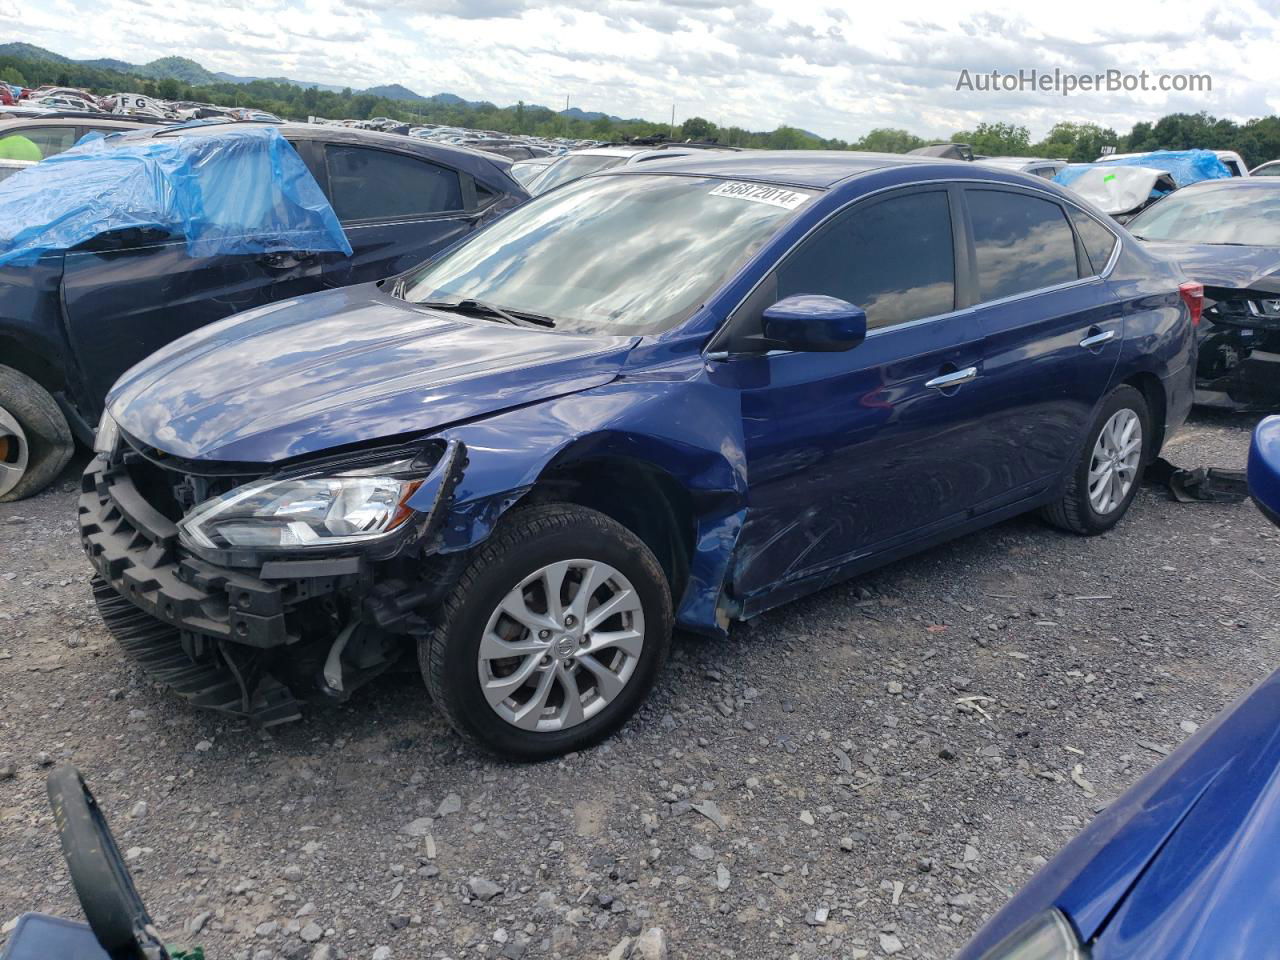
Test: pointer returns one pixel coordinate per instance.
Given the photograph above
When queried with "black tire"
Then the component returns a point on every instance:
(1074, 512)
(526, 540)
(49, 440)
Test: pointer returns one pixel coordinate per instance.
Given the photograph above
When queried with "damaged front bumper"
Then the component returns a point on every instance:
(1239, 359)
(253, 641)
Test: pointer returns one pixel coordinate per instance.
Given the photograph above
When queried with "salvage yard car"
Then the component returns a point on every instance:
(674, 394)
(71, 323)
(1225, 234)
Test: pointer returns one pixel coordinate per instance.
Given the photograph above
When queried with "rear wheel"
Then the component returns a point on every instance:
(553, 635)
(1105, 478)
(35, 441)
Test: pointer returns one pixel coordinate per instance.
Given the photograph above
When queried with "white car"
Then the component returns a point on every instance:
(1230, 159)
(579, 163)
(1037, 166)
(1269, 169)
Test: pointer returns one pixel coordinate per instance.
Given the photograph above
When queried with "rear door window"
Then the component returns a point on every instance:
(894, 258)
(368, 184)
(1098, 240)
(1021, 243)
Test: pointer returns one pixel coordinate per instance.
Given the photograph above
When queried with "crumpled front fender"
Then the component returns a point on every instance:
(678, 424)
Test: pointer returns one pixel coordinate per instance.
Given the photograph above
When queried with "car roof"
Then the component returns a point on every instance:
(490, 167)
(1142, 153)
(66, 121)
(801, 168)
(1010, 161)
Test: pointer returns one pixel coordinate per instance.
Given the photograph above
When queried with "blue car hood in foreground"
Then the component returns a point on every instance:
(346, 366)
(1184, 865)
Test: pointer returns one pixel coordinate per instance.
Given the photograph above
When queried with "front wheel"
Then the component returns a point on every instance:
(1104, 480)
(553, 635)
(35, 441)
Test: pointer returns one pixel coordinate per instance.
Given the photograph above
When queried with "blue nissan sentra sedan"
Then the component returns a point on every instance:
(668, 396)
(1182, 866)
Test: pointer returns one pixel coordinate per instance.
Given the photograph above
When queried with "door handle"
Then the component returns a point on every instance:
(954, 379)
(1097, 339)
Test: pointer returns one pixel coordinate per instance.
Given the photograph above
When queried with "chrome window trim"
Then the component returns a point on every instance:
(944, 183)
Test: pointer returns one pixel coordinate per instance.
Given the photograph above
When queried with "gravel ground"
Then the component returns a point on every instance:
(868, 772)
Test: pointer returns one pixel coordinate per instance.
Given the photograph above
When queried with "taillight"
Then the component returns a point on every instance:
(1193, 296)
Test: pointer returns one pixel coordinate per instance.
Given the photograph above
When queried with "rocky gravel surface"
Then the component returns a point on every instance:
(870, 772)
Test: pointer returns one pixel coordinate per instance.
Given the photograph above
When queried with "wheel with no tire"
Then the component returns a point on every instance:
(35, 441)
(1105, 478)
(553, 635)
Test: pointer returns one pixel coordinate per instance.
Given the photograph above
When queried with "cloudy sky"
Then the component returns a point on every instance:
(829, 66)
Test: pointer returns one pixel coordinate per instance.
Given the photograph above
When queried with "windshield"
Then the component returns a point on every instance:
(1240, 215)
(617, 255)
(525, 170)
(571, 168)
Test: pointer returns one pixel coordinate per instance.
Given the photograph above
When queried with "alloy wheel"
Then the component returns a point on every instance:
(1114, 467)
(14, 452)
(561, 645)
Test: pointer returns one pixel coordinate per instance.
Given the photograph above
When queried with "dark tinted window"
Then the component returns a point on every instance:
(376, 184)
(1021, 243)
(894, 259)
(1098, 240)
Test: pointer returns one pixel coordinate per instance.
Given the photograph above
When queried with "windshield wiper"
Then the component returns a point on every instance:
(517, 318)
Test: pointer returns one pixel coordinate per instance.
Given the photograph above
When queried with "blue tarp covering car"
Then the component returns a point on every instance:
(1185, 166)
(243, 190)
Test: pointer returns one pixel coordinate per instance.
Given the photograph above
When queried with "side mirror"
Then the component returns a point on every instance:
(814, 323)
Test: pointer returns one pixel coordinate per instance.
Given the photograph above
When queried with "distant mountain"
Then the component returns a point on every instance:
(178, 68)
(29, 51)
(394, 91)
(188, 71)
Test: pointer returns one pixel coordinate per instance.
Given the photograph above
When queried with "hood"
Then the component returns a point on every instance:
(346, 366)
(1224, 266)
(1210, 890)
(1182, 865)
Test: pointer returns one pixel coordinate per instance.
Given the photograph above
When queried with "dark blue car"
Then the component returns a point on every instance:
(1182, 866)
(674, 396)
(76, 320)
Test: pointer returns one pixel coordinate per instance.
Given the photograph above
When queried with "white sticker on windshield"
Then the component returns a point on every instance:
(762, 193)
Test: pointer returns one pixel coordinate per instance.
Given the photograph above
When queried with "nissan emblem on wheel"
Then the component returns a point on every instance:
(529, 460)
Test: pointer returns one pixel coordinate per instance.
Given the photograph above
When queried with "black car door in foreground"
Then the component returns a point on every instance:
(128, 294)
(860, 450)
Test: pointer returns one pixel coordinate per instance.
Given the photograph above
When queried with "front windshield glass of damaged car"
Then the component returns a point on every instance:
(612, 254)
(1217, 214)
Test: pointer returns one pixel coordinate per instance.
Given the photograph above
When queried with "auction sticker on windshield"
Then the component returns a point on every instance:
(762, 193)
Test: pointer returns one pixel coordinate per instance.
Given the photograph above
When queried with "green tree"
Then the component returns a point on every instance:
(1077, 142)
(996, 139)
(13, 75)
(888, 140)
(696, 128)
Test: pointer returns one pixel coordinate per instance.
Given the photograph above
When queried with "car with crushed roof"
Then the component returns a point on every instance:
(666, 396)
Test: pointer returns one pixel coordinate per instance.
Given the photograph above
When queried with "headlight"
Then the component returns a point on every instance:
(1046, 936)
(107, 436)
(351, 507)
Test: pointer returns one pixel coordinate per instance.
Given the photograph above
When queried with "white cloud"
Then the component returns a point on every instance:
(838, 71)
